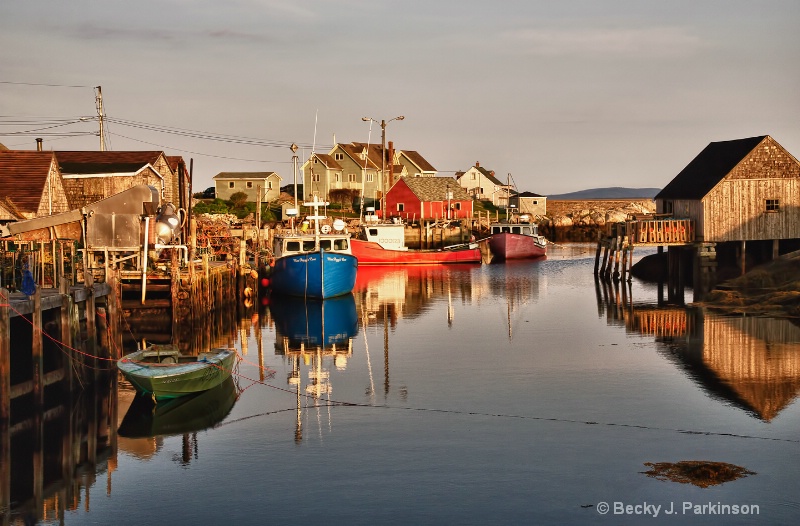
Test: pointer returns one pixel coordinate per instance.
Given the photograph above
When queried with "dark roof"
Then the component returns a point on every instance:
(418, 160)
(715, 162)
(96, 162)
(23, 175)
(328, 160)
(528, 194)
(435, 188)
(355, 149)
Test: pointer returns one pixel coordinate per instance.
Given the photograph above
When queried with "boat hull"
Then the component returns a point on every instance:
(506, 245)
(371, 253)
(319, 274)
(166, 381)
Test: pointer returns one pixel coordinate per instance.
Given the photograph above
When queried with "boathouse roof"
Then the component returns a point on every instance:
(712, 165)
(97, 162)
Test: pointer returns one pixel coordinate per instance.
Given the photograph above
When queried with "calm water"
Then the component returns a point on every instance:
(504, 394)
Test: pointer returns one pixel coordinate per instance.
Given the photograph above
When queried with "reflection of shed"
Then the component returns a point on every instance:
(753, 362)
(740, 190)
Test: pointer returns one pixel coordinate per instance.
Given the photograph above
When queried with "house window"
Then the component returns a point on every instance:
(315, 178)
(773, 205)
(474, 176)
(351, 178)
(316, 161)
(249, 184)
(336, 177)
(269, 185)
(535, 202)
(668, 207)
(458, 206)
(370, 178)
(231, 184)
(400, 207)
(338, 156)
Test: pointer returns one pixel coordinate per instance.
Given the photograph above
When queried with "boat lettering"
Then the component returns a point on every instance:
(304, 259)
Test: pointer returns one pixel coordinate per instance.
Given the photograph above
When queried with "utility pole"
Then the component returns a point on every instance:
(100, 117)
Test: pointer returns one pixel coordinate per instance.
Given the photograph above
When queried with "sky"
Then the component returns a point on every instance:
(563, 96)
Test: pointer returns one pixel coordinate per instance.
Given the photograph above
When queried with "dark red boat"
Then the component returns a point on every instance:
(516, 240)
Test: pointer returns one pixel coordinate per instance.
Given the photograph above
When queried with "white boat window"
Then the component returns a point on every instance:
(506, 229)
(516, 230)
(373, 231)
(325, 244)
(308, 245)
(526, 230)
(292, 246)
(340, 244)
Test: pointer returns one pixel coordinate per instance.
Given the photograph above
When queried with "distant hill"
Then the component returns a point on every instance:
(614, 192)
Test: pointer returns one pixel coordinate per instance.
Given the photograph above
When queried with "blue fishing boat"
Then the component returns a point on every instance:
(314, 262)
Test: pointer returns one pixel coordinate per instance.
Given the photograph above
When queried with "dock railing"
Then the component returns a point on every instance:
(664, 231)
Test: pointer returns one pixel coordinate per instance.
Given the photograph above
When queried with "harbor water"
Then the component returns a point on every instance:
(517, 393)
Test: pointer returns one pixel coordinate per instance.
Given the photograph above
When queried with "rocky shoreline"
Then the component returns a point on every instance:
(584, 220)
(772, 289)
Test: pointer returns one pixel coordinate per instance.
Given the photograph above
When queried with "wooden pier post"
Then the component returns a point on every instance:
(597, 256)
(175, 275)
(37, 355)
(5, 360)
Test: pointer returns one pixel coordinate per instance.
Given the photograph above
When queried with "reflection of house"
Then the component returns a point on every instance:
(751, 362)
(428, 198)
(481, 184)
(30, 185)
(228, 183)
(740, 190)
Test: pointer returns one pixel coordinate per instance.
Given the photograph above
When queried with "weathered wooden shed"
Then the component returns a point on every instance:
(739, 190)
(90, 176)
(428, 198)
(30, 185)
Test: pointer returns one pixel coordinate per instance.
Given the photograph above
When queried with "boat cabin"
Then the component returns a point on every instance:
(390, 236)
(298, 244)
(525, 229)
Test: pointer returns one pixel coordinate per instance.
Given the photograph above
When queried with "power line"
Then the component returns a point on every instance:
(170, 148)
(42, 84)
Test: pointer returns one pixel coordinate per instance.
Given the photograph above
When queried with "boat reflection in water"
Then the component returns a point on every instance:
(187, 414)
(309, 333)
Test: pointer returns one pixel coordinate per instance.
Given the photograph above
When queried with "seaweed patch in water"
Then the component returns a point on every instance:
(701, 473)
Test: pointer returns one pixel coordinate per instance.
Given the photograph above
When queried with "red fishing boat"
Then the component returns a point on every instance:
(384, 244)
(518, 239)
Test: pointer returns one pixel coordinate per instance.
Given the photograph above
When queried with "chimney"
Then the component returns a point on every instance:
(39, 144)
(477, 164)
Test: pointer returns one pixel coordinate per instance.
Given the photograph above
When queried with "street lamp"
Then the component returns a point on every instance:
(294, 148)
(383, 124)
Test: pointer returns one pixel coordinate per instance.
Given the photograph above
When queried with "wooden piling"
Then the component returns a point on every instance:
(5, 360)
(37, 355)
(597, 256)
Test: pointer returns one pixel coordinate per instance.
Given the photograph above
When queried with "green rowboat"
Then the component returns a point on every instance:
(162, 372)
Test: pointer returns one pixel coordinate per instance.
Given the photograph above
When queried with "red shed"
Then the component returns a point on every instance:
(414, 198)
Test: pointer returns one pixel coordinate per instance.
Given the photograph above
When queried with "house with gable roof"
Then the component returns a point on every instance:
(30, 185)
(415, 198)
(228, 183)
(482, 185)
(357, 166)
(739, 190)
(90, 176)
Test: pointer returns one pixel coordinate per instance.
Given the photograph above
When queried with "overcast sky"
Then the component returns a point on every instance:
(563, 95)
